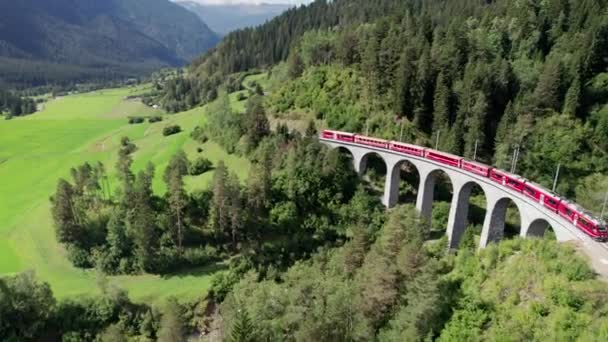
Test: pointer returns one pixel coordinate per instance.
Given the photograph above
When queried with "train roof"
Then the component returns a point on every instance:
(512, 175)
(444, 153)
(406, 144)
(339, 132)
(370, 138)
(476, 163)
(542, 188)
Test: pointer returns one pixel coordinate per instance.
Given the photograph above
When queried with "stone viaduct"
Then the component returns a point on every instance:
(534, 217)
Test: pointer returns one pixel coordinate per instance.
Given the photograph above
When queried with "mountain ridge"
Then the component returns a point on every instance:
(109, 35)
(228, 17)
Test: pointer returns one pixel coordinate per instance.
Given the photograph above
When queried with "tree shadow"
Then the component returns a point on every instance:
(199, 271)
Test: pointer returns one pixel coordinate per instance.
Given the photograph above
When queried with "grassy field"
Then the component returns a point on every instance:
(37, 150)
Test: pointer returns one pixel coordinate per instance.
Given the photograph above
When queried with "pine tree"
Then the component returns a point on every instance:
(176, 194)
(67, 223)
(441, 112)
(242, 329)
(548, 90)
(474, 139)
(257, 126)
(455, 143)
(295, 65)
(424, 92)
(504, 137)
(219, 210)
(406, 73)
(573, 97)
(237, 222)
(311, 129)
(354, 251)
(171, 327)
(142, 220)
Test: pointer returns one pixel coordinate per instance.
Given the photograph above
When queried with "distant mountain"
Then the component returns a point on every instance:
(82, 38)
(224, 18)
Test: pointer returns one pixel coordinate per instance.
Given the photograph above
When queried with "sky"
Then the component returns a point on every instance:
(290, 2)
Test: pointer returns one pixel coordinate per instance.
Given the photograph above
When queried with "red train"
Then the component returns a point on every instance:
(583, 220)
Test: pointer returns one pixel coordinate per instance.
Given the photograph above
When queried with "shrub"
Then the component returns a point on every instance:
(199, 135)
(170, 130)
(78, 256)
(153, 119)
(200, 166)
(136, 120)
(241, 97)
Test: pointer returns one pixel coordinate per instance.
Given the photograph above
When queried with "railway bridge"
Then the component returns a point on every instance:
(534, 218)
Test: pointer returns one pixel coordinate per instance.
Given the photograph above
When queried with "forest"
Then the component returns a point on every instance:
(306, 249)
(13, 105)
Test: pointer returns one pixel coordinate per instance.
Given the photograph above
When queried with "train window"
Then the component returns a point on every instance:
(568, 211)
(583, 222)
(601, 228)
(529, 191)
(512, 182)
(551, 202)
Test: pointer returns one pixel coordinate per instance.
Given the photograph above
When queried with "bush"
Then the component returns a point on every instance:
(153, 119)
(136, 120)
(200, 256)
(78, 256)
(199, 135)
(241, 97)
(170, 130)
(200, 166)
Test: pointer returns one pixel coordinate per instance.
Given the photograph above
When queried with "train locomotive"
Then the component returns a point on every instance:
(586, 222)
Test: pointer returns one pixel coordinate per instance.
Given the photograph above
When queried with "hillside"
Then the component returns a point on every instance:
(62, 40)
(224, 19)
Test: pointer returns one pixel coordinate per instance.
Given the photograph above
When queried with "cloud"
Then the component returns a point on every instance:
(224, 2)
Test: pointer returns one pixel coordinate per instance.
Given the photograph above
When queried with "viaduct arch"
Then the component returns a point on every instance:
(533, 217)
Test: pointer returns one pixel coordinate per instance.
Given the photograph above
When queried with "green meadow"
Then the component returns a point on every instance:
(37, 150)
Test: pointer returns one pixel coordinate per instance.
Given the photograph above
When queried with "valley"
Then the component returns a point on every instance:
(39, 149)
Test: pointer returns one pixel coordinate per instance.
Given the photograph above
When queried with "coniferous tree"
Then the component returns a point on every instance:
(176, 194)
(573, 97)
(242, 329)
(504, 137)
(406, 74)
(475, 136)
(547, 94)
(65, 214)
(257, 126)
(441, 110)
(142, 221)
(219, 210)
(424, 92)
(171, 326)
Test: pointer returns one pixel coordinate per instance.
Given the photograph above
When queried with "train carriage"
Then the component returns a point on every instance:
(337, 135)
(476, 168)
(410, 149)
(546, 197)
(508, 179)
(374, 142)
(444, 158)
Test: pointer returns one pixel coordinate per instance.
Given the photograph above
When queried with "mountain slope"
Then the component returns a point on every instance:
(124, 36)
(229, 17)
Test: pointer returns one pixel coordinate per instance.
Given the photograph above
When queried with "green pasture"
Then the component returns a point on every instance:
(37, 150)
